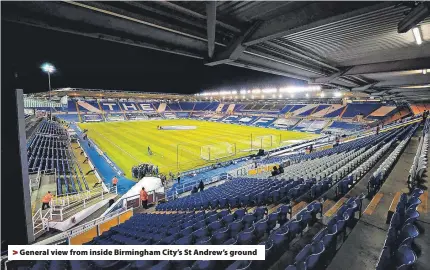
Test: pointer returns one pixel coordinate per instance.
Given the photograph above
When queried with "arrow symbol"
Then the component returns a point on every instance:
(14, 252)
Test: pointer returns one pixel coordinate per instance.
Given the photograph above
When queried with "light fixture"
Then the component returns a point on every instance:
(417, 35)
(322, 94)
(307, 95)
(262, 96)
(337, 94)
(424, 71)
(243, 92)
(280, 95)
(48, 68)
(269, 90)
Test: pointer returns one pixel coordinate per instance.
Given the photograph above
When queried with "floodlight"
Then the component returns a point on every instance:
(322, 94)
(307, 95)
(424, 71)
(280, 95)
(243, 92)
(269, 90)
(48, 68)
(337, 94)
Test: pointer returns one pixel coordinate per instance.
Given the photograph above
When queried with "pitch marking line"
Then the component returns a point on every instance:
(117, 146)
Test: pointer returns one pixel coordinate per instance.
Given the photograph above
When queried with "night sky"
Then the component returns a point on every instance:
(84, 62)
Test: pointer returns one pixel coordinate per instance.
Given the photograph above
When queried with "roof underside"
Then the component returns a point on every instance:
(354, 46)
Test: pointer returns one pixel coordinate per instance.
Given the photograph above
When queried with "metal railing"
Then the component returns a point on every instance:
(134, 201)
(189, 185)
(35, 182)
(67, 204)
(61, 237)
(41, 221)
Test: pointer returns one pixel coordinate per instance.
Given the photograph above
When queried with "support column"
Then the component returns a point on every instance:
(17, 224)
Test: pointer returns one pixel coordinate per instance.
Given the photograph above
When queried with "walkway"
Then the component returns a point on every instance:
(103, 168)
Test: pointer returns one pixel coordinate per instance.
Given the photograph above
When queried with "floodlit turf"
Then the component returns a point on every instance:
(126, 143)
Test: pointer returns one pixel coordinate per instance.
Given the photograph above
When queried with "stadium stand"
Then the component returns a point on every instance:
(354, 109)
(338, 126)
(306, 110)
(326, 109)
(335, 112)
(382, 112)
(419, 108)
(248, 192)
(49, 151)
(285, 123)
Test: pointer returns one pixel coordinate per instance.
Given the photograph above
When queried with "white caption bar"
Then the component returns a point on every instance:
(123, 252)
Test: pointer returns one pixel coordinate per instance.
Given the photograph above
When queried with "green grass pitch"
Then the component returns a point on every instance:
(126, 143)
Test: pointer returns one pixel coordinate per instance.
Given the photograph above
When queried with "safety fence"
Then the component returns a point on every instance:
(86, 232)
(61, 206)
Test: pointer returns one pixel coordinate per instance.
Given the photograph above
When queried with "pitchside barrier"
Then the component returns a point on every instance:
(197, 155)
(182, 188)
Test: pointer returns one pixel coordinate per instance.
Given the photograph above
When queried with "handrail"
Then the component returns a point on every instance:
(81, 202)
(123, 202)
(79, 229)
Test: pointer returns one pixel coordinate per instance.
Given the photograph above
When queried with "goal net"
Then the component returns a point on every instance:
(265, 142)
(213, 152)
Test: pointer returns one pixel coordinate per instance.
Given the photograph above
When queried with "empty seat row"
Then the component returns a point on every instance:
(324, 242)
(419, 165)
(398, 251)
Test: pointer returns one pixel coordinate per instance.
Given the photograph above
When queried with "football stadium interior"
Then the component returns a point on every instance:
(330, 172)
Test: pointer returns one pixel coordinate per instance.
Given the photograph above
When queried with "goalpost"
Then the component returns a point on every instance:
(214, 152)
(265, 142)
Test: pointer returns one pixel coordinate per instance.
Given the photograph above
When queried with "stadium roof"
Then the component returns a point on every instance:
(355, 46)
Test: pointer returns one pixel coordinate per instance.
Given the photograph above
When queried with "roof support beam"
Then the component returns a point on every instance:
(402, 81)
(211, 24)
(267, 63)
(331, 78)
(178, 8)
(391, 66)
(413, 90)
(263, 69)
(106, 37)
(419, 79)
(417, 14)
(294, 52)
(235, 49)
(311, 16)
